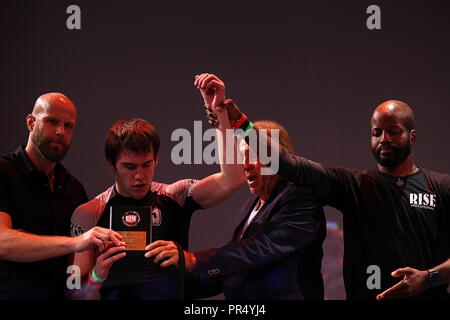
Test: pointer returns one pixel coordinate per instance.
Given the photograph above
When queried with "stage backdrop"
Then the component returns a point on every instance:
(317, 67)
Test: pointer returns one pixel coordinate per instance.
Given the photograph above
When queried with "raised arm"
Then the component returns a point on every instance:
(214, 189)
(293, 168)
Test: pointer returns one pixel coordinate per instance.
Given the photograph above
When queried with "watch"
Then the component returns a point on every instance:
(434, 277)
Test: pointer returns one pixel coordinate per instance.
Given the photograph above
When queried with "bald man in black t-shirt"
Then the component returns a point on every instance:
(37, 198)
(396, 217)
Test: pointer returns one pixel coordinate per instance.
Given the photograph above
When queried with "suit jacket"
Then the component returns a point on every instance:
(280, 253)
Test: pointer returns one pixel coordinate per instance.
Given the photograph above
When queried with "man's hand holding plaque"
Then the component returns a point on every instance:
(134, 224)
(106, 259)
(165, 251)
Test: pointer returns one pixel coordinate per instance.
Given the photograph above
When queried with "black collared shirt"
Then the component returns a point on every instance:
(26, 196)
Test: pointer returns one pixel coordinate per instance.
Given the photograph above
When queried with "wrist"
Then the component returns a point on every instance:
(190, 262)
(99, 276)
(72, 244)
(434, 277)
(240, 122)
(244, 129)
(94, 279)
(234, 113)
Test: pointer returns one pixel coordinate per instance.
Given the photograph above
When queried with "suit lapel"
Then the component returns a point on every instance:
(234, 282)
(242, 217)
(267, 209)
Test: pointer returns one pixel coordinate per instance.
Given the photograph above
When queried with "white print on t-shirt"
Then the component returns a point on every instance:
(422, 200)
(156, 217)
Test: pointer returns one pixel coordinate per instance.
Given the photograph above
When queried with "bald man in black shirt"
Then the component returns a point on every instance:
(37, 198)
(396, 217)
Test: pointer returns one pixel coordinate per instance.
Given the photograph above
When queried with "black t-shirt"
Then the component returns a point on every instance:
(137, 277)
(26, 196)
(389, 222)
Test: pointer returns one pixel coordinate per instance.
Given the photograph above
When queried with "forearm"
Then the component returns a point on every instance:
(279, 239)
(242, 257)
(19, 246)
(302, 171)
(231, 168)
(298, 170)
(278, 161)
(216, 188)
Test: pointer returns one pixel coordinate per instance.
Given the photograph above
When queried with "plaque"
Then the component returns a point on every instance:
(134, 224)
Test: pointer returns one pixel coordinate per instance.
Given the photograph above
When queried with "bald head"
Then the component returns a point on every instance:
(392, 137)
(394, 109)
(51, 126)
(53, 100)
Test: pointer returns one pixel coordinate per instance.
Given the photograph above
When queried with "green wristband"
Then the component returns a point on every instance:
(96, 278)
(244, 133)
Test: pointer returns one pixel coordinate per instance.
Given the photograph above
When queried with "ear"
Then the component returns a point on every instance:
(30, 122)
(413, 136)
(111, 166)
(156, 159)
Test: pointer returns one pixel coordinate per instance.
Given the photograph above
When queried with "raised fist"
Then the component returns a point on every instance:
(211, 88)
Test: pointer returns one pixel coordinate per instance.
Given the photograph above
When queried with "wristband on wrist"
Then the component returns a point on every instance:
(243, 125)
(94, 283)
(244, 132)
(240, 122)
(94, 279)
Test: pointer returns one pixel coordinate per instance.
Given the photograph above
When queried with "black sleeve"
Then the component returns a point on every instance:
(5, 187)
(190, 205)
(333, 185)
(305, 172)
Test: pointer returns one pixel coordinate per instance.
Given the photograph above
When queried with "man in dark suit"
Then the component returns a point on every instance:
(276, 248)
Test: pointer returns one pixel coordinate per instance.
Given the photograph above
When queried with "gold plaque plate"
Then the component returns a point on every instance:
(134, 240)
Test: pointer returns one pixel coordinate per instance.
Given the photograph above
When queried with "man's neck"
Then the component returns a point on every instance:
(41, 163)
(404, 169)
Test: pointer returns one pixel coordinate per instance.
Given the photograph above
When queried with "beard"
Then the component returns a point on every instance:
(47, 151)
(397, 157)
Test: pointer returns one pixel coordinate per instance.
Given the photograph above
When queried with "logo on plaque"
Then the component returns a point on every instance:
(156, 216)
(131, 218)
(133, 223)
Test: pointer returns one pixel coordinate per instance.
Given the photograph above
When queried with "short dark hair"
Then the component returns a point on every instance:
(136, 135)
